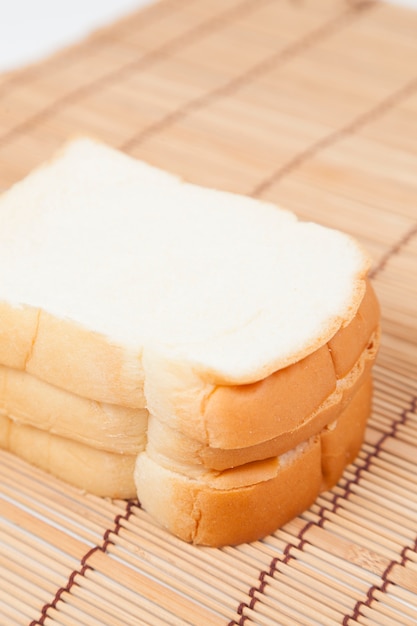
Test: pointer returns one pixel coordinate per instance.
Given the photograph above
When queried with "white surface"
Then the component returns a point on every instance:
(50, 24)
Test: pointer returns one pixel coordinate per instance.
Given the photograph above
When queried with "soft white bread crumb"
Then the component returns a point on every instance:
(233, 287)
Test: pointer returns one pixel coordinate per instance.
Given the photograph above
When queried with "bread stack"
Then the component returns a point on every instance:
(205, 351)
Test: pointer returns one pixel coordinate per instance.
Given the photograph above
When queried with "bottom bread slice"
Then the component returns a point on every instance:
(95, 471)
(249, 502)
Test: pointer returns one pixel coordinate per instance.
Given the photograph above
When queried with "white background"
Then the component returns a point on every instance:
(32, 29)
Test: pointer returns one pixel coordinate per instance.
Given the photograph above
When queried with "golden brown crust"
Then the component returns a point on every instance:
(202, 514)
(95, 471)
(69, 356)
(202, 511)
(252, 512)
(208, 511)
(180, 448)
(342, 440)
(350, 340)
(244, 415)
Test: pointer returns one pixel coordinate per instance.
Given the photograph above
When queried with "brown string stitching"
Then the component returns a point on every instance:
(256, 591)
(255, 72)
(403, 241)
(107, 540)
(337, 498)
(385, 578)
(359, 470)
(352, 127)
(171, 47)
(403, 554)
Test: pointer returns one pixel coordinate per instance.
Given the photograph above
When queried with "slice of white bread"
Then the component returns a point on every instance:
(117, 259)
(124, 286)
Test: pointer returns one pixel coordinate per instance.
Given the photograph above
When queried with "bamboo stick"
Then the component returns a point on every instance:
(32, 552)
(133, 603)
(11, 600)
(181, 604)
(315, 591)
(66, 519)
(19, 572)
(161, 543)
(71, 617)
(401, 608)
(63, 542)
(202, 590)
(384, 615)
(382, 519)
(78, 604)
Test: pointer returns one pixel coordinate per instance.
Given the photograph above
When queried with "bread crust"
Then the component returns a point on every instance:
(342, 440)
(173, 444)
(245, 415)
(95, 471)
(202, 511)
(29, 400)
(86, 363)
(69, 356)
(202, 514)
(352, 338)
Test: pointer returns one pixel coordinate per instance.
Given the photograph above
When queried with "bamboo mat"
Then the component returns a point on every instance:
(311, 104)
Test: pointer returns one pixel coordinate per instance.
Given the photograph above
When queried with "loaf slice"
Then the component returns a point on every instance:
(110, 268)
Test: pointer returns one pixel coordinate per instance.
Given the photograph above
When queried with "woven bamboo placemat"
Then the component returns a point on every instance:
(311, 104)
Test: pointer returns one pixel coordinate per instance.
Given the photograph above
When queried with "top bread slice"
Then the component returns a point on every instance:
(125, 285)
